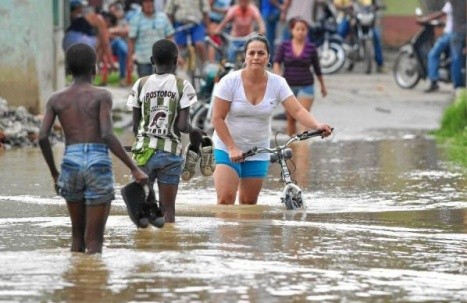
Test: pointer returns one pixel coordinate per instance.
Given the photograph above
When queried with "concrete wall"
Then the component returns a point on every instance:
(31, 61)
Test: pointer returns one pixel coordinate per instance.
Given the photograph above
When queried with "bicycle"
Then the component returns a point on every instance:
(292, 193)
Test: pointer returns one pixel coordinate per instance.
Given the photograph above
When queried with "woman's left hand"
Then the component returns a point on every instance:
(327, 129)
(324, 91)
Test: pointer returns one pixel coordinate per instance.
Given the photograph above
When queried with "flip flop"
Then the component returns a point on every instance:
(142, 206)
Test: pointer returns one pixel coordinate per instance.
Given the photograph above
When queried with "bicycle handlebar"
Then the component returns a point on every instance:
(231, 38)
(298, 137)
(307, 135)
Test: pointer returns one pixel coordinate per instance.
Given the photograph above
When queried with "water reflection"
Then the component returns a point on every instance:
(86, 280)
(385, 221)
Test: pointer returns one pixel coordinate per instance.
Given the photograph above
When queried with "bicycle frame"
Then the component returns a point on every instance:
(292, 193)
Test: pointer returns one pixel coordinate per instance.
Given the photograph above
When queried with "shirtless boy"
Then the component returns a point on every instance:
(86, 180)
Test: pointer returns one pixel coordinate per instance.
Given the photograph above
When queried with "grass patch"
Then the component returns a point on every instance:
(453, 131)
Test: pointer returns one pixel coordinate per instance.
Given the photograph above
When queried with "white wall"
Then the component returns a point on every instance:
(31, 60)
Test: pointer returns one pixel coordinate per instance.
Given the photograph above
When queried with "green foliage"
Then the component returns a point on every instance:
(401, 7)
(455, 117)
(453, 131)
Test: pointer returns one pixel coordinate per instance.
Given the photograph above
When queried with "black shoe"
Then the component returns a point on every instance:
(280, 116)
(433, 87)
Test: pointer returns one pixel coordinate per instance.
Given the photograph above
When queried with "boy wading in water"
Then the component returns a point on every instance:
(161, 110)
(86, 179)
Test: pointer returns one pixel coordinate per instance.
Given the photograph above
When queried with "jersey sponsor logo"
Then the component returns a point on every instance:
(160, 94)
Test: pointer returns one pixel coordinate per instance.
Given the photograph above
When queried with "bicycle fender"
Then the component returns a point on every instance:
(291, 187)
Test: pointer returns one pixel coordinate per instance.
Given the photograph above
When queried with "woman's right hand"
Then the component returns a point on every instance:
(236, 155)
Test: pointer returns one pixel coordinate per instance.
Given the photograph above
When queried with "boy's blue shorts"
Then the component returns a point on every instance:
(86, 174)
(247, 169)
(165, 167)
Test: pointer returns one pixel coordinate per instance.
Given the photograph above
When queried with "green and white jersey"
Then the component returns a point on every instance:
(160, 98)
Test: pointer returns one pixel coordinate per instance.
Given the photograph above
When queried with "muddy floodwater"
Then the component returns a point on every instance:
(385, 221)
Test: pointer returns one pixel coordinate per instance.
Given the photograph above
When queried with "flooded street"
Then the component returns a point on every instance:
(385, 221)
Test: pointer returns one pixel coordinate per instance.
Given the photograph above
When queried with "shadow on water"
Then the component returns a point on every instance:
(386, 221)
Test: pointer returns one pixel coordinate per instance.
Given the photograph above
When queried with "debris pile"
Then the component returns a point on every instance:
(19, 128)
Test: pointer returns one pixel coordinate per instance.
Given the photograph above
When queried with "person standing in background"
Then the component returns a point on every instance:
(457, 43)
(89, 28)
(243, 16)
(271, 12)
(146, 27)
(119, 40)
(291, 9)
(218, 10)
(294, 60)
(183, 12)
(441, 45)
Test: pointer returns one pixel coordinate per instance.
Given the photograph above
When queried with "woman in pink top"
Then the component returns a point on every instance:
(243, 17)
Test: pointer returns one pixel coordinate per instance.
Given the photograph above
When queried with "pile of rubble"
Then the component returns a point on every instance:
(19, 128)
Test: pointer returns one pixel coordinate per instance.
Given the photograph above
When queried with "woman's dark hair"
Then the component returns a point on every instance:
(295, 20)
(80, 59)
(260, 38)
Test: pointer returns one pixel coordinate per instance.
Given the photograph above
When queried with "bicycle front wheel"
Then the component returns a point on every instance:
(293, 200)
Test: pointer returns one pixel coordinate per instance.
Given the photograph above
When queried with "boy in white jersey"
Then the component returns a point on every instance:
(161, 105)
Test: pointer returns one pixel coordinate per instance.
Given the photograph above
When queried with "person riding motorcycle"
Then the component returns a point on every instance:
(344, 27)
(441, 45)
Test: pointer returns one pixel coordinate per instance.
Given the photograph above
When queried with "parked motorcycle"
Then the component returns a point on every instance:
(330, 45)
(411, 62)
(363, 18)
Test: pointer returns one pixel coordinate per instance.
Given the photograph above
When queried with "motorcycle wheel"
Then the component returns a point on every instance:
(331, 59)
(405, 70)
(367, 55)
